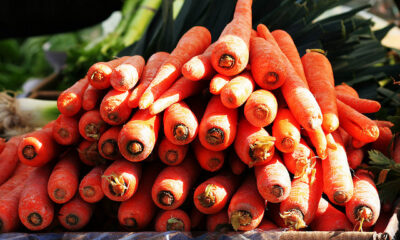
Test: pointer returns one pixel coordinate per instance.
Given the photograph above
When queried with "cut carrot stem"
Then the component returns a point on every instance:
(191, 44)
(354, 157)
(171, 154)
(253, 145)
(99, 73)
(286, 130)
(66, 130)
(301, 160)
(9, 158)
(237, 91)
(149, 72)
(384, 141)
(91, 97)
(236, 165)
(69, 102)
(172, 185)
(230, 54)
(64, 179)
(172, 220)
(318, 140)
(218, 82)
(181, 89)
(120, 180)
(267, 225)
(89, 153)
(108, 144)
(217, 129)
(75, 214)
(199, 67)
(261, 108)
(114, 107)
(359, 104)
(138, 136)
(90, 186)
(344, 88)
(246, 208)
(209, 160)
(211, 196)
(127, 74)
(338, 185)
(91, 125)
(328, 218)
(219, 222)
(273, 180)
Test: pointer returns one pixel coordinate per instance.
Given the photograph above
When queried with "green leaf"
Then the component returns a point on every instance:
(378, 158)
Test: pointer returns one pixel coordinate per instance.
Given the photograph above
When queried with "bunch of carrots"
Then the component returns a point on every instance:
(206, 137)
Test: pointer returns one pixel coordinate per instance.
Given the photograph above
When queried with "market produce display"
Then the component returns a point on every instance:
(231, 135)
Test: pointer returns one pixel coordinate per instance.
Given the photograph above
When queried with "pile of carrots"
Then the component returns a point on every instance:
(237, 134)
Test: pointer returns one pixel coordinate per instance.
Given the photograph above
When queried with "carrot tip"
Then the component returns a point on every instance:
(165, 198)
(109, 147)
(277, 191)
(340, 197)
(29, 152)
(72, 219)
(226, 61)
(240, 218)
(175, 224)
(135, 147)
(117, 184)
(181, 132)
(261, 112)
(171, 156)
(92, 131)
(215, 136)
(130, 222)
(59, 193)
(97, 76)
(260, 150)
(88, 191)
(114, 117)
(271, 77)
(214, 163)
(294, 219)
(63, 133)
(35, 219)
(288, 143)
(207, 198)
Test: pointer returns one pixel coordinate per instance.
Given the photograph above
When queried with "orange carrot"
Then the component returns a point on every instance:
(273, 180)
(75, 214)
(237, 91)
(181, 89)
(91, 125)
(191, 44)
(108, 144)
(127, 74)
(199, 67)
(219, 222)
(209, 160)
(330, 142)
(382, 123)
(318, 140)
(64, 179)
(246, 209)
(357, 125)
(286, 130)
(9, 158)
(301, 160)
(172, 220)
(180, 124)
(237, 166)
(357, 143)
(170, 153)
(218, 82)
(354, 157)
(114, 107)
(261, 108)
(344, 88)
(69, 102)
(121, 179)
(263, 32)
(267, 225)
(137, 137)
(149, 72)
(384, 141)
(172, 185)
(253, 145)
(89, 154)
(359, 104)
(345, 136)
(364, 207)
(211, 196)
(231, 52)
(66, 130)
(328, 218)
(217, 128)
(91, 97)
(99, 73)
(90, 186)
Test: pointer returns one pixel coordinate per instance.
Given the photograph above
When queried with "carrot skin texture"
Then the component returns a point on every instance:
(236, 165)
(9, 159)
(121, 179)
(127, 74)
(217, 128)
(91, 125)
(171, 154)
(267, 225)
(347, 89)
(219, 222)
(218, 82)
(208, 160)
(17, 178)
(90, 186)
(66, 130)
(359, 104)
(318, 139)
(75, 214)
(354, 157)
(298, 161)
(237, 91)
(261, 108)
(64, 178)
(69, 102)
(108, 144)
(328, 218)
(89, 154)
(170, 220)
(199, 67)
(99, 73)
(286, 130)
(114, 108)
(263, 32)
(91, 97)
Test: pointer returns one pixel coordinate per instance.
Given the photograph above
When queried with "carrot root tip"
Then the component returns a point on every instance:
(114, 117)
(59, 193)
(29, 152)
(271, 77)
(117, 185)
(240, 218)
(97, 76)
(277, 191)
(207, 198)
(88, 191)
(165, 198)
(288, 143)
(171, 156)
(340, 197)
(294, 219)
(135, 147)
(72, 219)
(260, 150)
(215, 136)
(214, 163)
(261, 112)
(109, 147)
(181, 132)
(175, 224)
(226, 61)
(63, 133)
(130, 222)
(92, 131)
(35, 219)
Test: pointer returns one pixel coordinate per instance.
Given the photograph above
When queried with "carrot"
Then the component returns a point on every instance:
(172, 185)
(344, 88)
(357, 143)
(64, 179)
(92, 125)
(298, 210)
(17, 178)
(219, 222)
(114, 107)
(181, 89)
(384, 141)
(89, 153)
(301, 160)
(359, 104)
(127, 74)
(138, 136)
(382, 123)
(75, 214)
(108, 144)
(121, 179)
(209, 160)
(237, 91)
(172, 220)
(66, 130)
(197, 219)
(217, 128)
(90, 186)
(69, 102)
(267, 225)
(149, 72)
(35, 208)
(218, 82)
(328, 218)
(236, 165)
(261, 108)
(246, 208)
(363, 208)
(263, 32)
(253, 145)
(9, 158)
(199, 67)
(91, 98)
(99, 73)
(357, 125)
(354, 157)
(38, 148)
(170, 153)
(330, 142)
(396, 150)
(318, 139)
(230, 54)
(138, 211)
(273, 180)
(345, 136)
(2, 144)
(286, 130)
(191, 44)
(212, 195)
